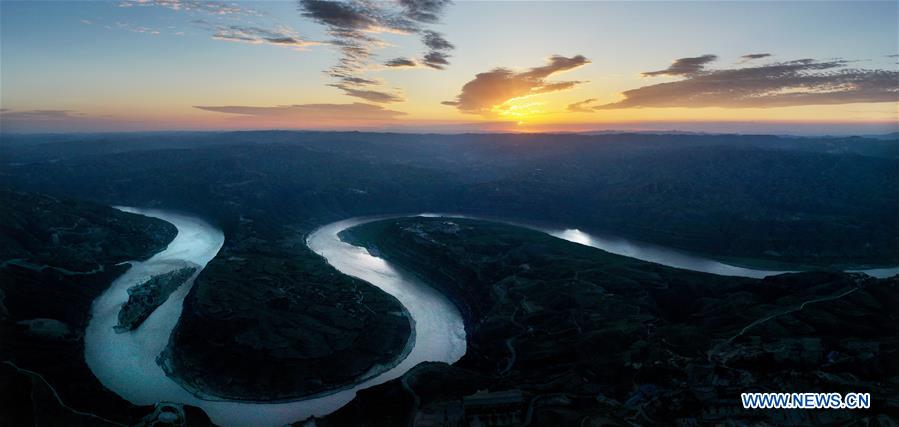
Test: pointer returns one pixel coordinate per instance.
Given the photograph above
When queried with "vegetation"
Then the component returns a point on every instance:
(815, 201)
(70, 252)
(593, 337)
(74, 236)
(275, 323)
(145, 297)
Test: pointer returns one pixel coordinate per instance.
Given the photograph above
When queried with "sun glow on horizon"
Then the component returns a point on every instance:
(161, 65)
(519, 110)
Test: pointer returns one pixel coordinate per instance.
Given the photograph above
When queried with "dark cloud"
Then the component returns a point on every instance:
(400, 62)
(684, 66)
(435, 59)
(792, 83)
(556, 63)
(360, 81)
(751, 56)
(7, 114)
(341, 16)
(353, 25)
(493, 88)
(307, 116)
(426, 11)
(257, 35)
(282, 40)
(225, 21)
(435, 41)
(354, 111)
(582, 106)
(371, 95)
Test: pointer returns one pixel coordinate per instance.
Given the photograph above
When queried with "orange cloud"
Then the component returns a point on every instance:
(496, 87)
(800, 82)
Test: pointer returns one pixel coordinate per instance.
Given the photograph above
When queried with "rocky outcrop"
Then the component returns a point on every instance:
(144, 298)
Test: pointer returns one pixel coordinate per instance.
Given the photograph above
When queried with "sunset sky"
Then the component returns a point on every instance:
(428, 65)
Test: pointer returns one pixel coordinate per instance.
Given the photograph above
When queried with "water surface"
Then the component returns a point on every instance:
(655, 253)
(126, 363)
(678, 259)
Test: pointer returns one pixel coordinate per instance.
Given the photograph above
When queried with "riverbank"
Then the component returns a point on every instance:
(127, 363)
(674, 257)
(45, 379)
(565, 334)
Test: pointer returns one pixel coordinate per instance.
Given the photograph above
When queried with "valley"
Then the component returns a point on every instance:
(272, 321)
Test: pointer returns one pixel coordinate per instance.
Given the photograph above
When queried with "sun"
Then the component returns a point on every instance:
(519, 110)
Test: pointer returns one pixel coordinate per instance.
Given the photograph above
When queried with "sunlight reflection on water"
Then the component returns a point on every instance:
(126, 363)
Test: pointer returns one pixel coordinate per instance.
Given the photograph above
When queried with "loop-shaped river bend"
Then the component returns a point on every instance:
(126, 362)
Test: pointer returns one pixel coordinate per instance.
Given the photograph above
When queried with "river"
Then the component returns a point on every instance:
(678, 259)
(126, 362)
(654, 253)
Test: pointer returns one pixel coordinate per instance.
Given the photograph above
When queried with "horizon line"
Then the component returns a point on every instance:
(598, 132)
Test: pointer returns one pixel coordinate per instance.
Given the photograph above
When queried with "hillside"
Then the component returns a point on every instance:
(587, 336)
